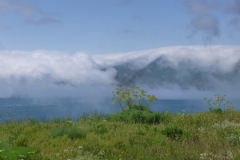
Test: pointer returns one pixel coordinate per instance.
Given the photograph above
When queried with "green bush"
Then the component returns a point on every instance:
(72, 132)
(138, 115)
(173, 132)
(100, 129)
(216, 110)
(140, 107)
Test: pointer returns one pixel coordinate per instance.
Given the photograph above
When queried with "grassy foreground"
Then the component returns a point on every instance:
(132, 134)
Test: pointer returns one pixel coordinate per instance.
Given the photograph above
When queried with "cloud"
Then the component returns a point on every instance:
(206, 23)
(233, 7)
(234, 10)
(44, 21)
(126, 31)
(23, 8)
(181, 69)
(235, 21)
(32, 13)
(55, 67)
(202, 18)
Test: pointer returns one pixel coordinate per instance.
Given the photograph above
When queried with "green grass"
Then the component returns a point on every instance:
(72, 132)
(127, 135)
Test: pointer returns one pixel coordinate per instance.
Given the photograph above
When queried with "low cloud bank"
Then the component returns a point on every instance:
(170, 72)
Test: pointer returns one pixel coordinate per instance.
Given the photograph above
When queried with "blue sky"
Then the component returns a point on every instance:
(115, 26)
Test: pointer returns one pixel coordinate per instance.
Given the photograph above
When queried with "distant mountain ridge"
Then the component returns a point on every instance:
(185, 71)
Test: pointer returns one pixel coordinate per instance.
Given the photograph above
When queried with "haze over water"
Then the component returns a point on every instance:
(54, 54)
(173, 73)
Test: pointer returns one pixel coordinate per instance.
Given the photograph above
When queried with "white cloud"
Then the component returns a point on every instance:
(233, 9)
(46, 73)
(31, 13)
(23, 8)
(73, 69)
(43, 21)
(202, 18)
(203, 57)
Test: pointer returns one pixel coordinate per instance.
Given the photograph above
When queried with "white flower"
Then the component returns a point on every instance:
(229, 154)
(101, 153)
(201, 129)
(22, 156)
(226, 124)
(203, 155)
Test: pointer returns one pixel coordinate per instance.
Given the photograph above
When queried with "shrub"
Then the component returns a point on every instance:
(100, 129)
(173, 132)
(138, 115)
(72, 132)
(215, 104)
(133, 96)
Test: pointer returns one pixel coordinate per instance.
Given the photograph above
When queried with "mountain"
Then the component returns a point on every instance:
(201, 68)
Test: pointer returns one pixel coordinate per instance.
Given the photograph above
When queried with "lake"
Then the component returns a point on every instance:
(22, 108)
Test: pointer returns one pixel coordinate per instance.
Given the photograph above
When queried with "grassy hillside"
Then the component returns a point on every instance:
(180, 136)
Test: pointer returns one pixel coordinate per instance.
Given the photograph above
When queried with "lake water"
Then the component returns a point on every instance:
(19, 108)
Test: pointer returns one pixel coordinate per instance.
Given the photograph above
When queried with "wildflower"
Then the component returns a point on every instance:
(226, 124)
(121, 154)
(183, 112)
(201, 129)
(101, 153)
(32, 152)
(203, 155)
(213, 156)
(229, 154)
(80, 147)
(1, 151)
(21, 156)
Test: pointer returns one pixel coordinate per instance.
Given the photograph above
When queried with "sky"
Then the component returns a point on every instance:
(82, 47)
(116, 26)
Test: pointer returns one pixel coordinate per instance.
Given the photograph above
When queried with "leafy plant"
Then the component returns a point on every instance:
(72, 132)
(173, 132)
(234, 137)
(100, 129)
(215, 104)
(136, 115)
(159, 139)
(133, 96)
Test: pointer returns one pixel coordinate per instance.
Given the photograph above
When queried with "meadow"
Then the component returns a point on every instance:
(134, 133)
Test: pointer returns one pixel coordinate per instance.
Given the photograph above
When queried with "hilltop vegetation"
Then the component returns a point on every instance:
(135, 132)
